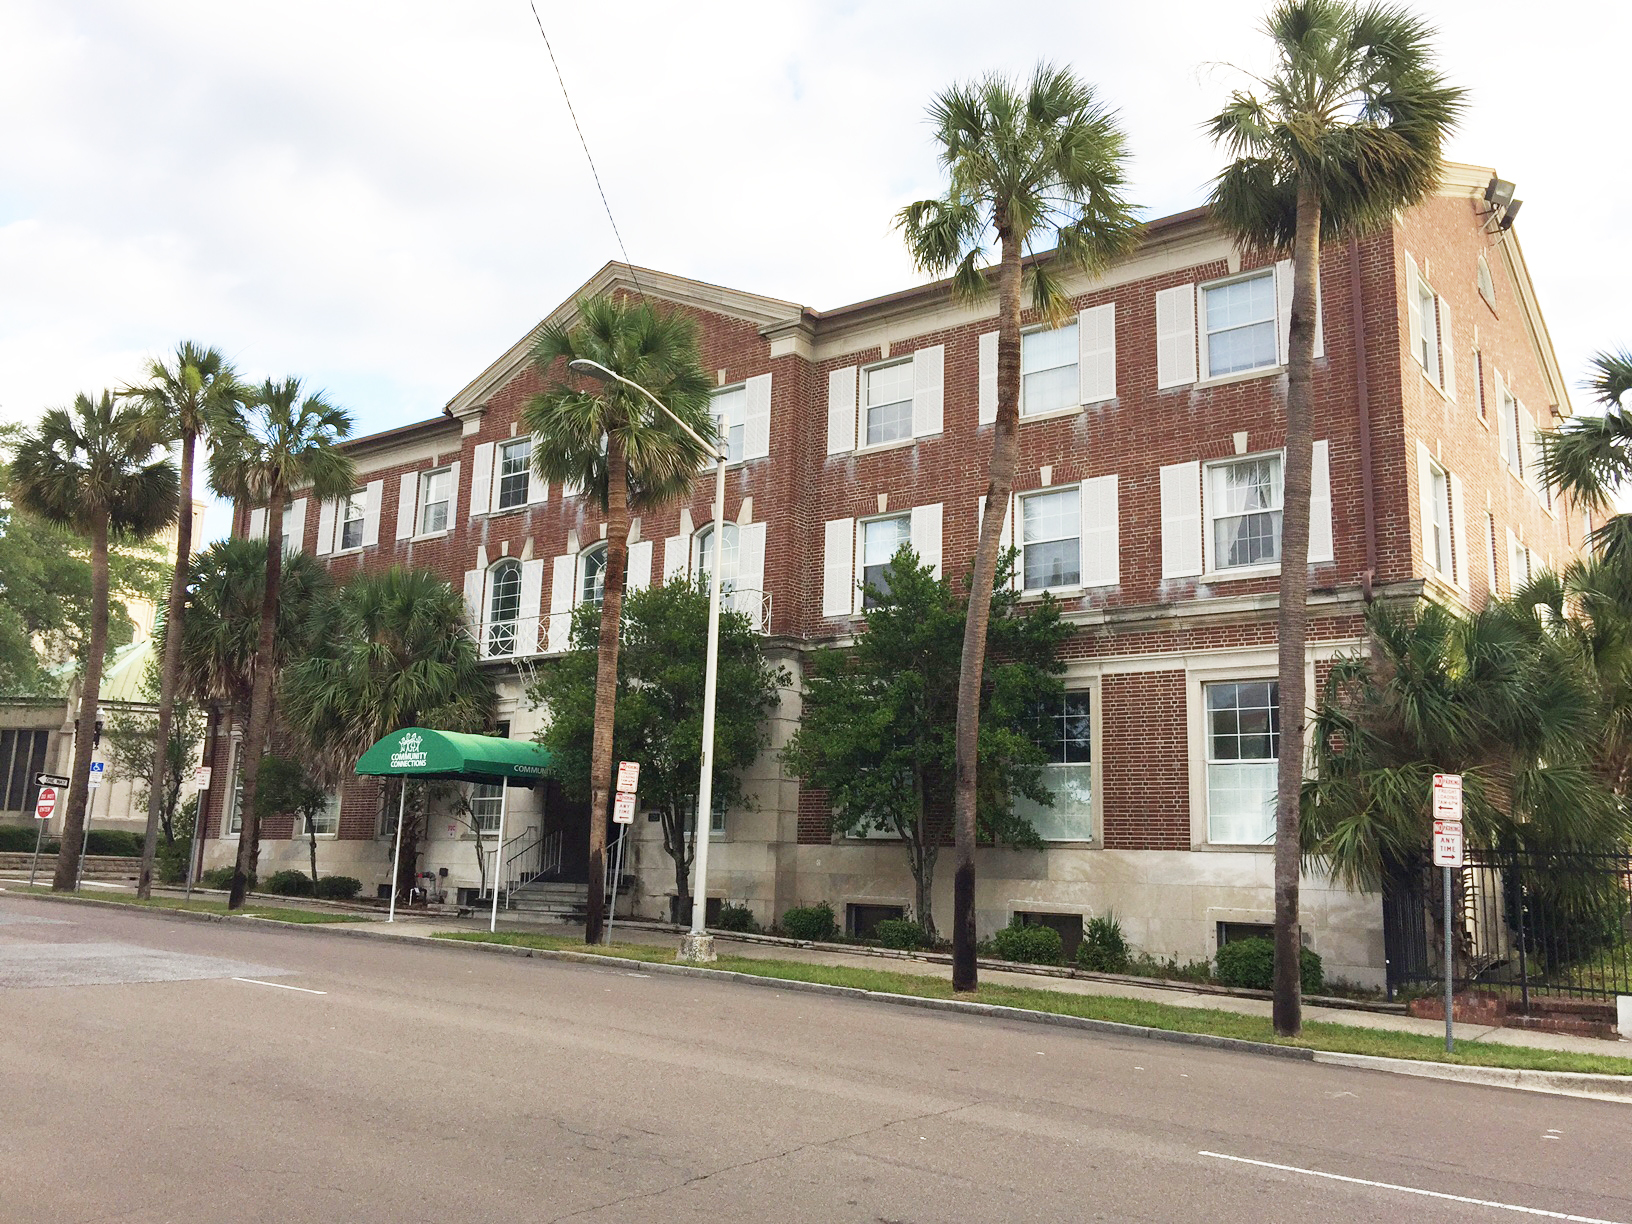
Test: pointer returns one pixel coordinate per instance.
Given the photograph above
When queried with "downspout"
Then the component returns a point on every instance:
(1362, 395)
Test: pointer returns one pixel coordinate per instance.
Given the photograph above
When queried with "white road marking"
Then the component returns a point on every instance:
(1453, 1198)
(279, 985)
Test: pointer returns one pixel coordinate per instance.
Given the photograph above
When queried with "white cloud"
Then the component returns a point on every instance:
(382, 198)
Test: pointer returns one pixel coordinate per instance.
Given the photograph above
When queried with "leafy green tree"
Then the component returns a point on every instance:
(1345, 131)
(185, 399)
(127, 742)
(285, 440)
(877, 732)
(395, 653)
(45, 592)
(288, 787)
(97, 470)
(612, 442)
(1033, 164)
(660, 707)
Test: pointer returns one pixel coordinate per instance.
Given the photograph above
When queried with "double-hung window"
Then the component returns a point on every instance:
(352, 512)
(503, 608)
(1439, 527)
(887, 402)
(486, 802)
(728, 558)
(1510, 432)
(1240, 328)
(1048, 370)
(515, 472)
(434, 491)
(1065, 734)
(325, 822)
(1425, 344)
(881, 539)
(1244, 512)
(235, 799)
(1243, 741)
(1051, 539)
(730, 409)
(592, 575)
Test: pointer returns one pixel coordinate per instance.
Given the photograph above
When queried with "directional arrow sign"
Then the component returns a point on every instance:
(51, 780)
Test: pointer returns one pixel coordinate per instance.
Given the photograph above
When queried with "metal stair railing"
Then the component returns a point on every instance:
(527, 862)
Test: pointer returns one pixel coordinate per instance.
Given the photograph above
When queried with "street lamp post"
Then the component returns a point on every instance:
(698, 944)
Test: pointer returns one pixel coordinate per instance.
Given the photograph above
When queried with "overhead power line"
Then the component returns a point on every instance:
(605, 203)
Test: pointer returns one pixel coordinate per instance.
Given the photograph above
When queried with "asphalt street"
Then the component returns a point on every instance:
(155, 1069)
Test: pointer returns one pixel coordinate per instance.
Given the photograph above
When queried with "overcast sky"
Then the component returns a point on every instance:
(381, 198)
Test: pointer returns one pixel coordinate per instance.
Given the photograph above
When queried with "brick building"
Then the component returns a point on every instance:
(1147, 501)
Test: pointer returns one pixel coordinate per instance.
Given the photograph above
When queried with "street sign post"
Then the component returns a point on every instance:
(201, 777)
(623, 808)
(44, 806)
(623, 813)
(1448, 855)
(628, 776)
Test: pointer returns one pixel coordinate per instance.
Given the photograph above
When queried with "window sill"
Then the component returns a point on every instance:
(1235, 847)
(349, 552)
(1243, 572)
(430, 535)
(898, 444)
(1224, 380)
(1427, 378)
(1089, 843)
(1053, 414)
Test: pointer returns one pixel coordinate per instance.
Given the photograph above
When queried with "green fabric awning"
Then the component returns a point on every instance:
(419, 752)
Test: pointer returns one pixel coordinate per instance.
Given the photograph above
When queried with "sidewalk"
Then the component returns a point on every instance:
(409, 925)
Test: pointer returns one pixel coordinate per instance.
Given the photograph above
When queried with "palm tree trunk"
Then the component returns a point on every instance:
(90, 696)
(1000, 484)
(606, 680)
(171, 665)
(260, 703)
(1293, 614)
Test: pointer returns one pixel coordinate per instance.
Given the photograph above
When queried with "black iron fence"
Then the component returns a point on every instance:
(1524, 926)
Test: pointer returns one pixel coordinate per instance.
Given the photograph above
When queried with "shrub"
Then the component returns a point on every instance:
(171, 863)
(288, 883)
(736, 918)
(220, 877)
(1033, 945)
(900, 933)
(118, 842)
(19, 837)
(339, 888)
(1103, 948)
(810, 921)
(1250, 963)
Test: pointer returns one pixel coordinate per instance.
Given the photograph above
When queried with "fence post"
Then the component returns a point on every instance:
(1450, 1040)
(1524, 966)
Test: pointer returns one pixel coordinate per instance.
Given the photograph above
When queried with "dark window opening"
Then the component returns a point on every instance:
(860, 921)
(1229, 932)
(1069, 927)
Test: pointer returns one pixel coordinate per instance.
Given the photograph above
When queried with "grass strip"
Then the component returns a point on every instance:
(1317, 1035)
(202, 906)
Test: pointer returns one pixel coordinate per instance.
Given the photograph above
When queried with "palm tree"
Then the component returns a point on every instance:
(221, 628)
(611, 442)
(1033, 163)
(1589, 457)
(98, 470)
(184, 398)
(1348, 129)
(395, 654)
(287, 440)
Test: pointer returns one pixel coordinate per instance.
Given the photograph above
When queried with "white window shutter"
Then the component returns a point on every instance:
(988, 377)
(473, 600)
(1413, 306)
(1447, 351)
(257, 523)
(841, 410)
(1181, 519)
(1515, 563)
(1459, 536)
(1005, 536)
(838, 567)
(1284, 278)
(532, 600)
(294, 524)
(926, 536)
(749, 597)
(453, 494)
(407, 504)
(1096, 353)
(325, 527)
(676, 557)
(1425, 503)
(1504, 423)
(373, 495)
(1175, 336)
(537, 490)
(640, 566)
(1527, 445)
(1320, 317)
(756, 422)
(481, 479)
(928, 390)
(563, 580)
(1320, 505)
(1101, 532)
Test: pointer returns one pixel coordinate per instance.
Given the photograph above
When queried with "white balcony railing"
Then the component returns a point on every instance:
(529, 636)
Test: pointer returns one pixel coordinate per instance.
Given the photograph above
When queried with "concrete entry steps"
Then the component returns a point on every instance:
(551, 899)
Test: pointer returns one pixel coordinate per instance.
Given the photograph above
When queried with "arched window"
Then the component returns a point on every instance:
(703, 557)
(503, 607)
(592, 575)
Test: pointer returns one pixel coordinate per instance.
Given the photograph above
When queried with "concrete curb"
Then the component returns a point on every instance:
(1612, 1088)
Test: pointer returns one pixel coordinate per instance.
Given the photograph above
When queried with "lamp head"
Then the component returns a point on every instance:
(1499, 192)
(1510, 213)
(592, 369)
